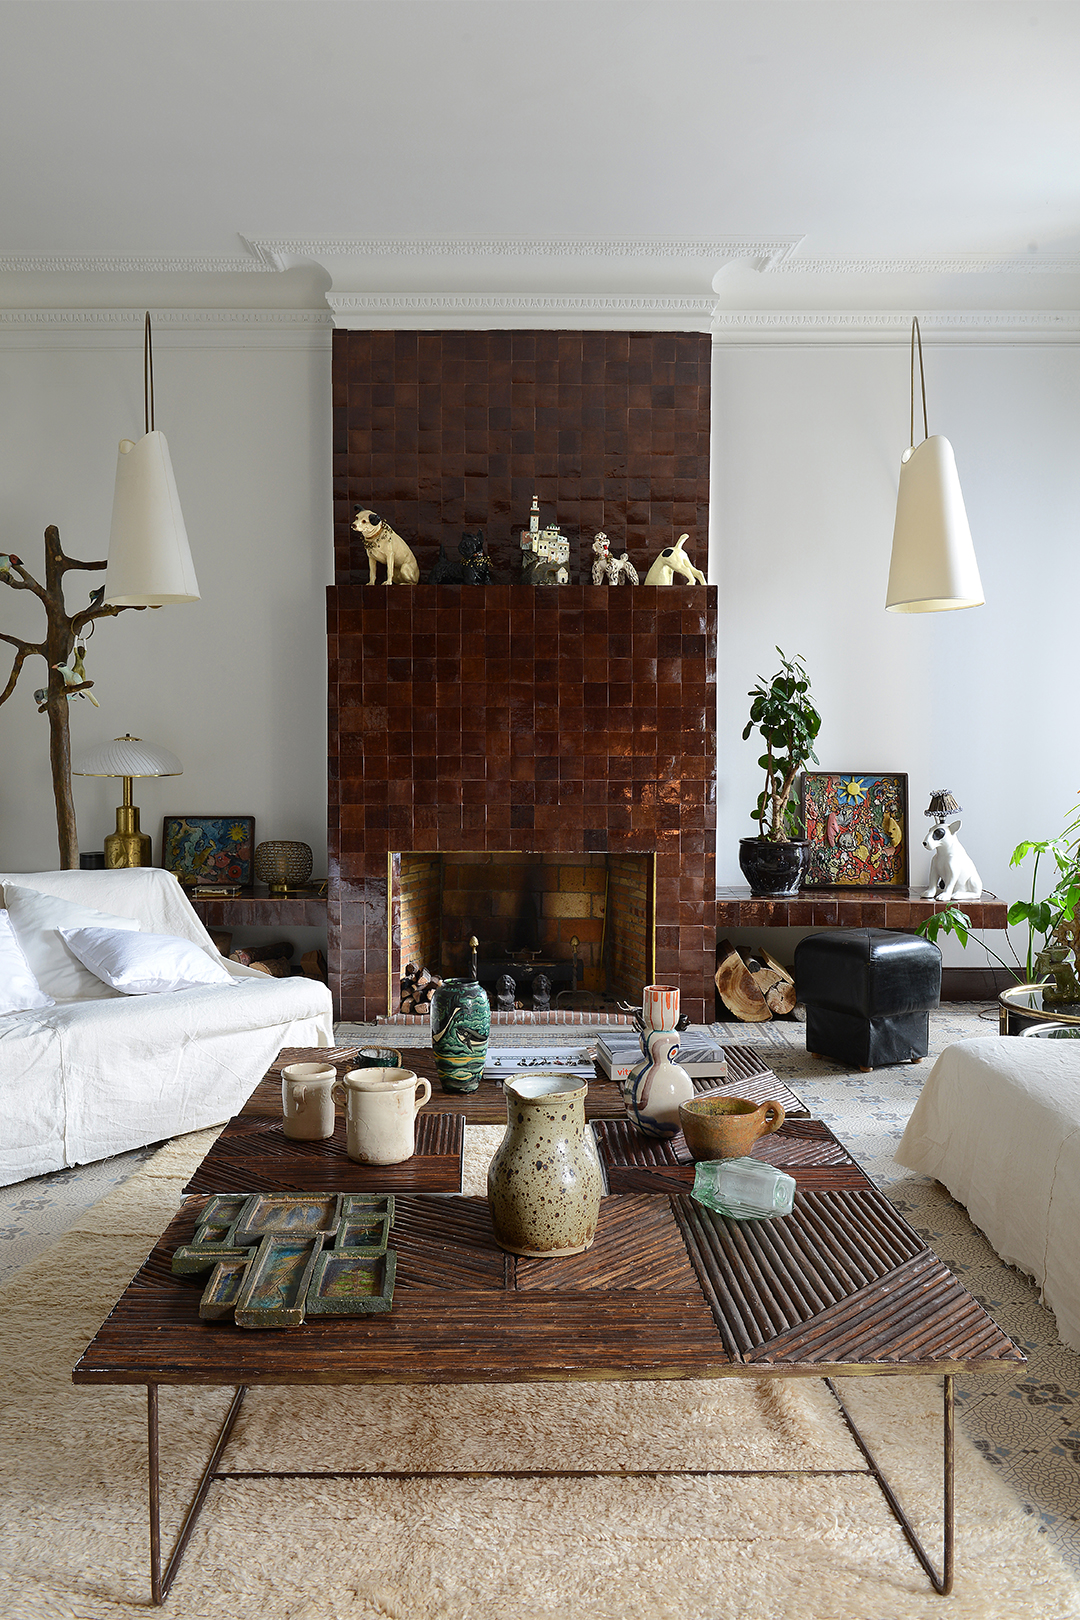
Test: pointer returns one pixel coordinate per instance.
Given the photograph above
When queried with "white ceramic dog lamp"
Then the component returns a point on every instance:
(952, 870)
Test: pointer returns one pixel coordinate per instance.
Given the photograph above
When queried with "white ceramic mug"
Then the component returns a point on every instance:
(660, 1006)
(381, 1106)
(307, 1101)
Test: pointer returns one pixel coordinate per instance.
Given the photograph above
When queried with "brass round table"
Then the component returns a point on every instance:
(1023, 1005)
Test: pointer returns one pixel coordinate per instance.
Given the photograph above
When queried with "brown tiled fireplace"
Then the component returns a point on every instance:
(556, 738)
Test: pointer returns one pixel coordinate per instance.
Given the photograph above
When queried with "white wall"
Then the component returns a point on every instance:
(807, 444)
(808, 438)
(234, 684)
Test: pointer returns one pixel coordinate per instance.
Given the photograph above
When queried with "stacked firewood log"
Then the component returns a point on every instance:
(277, 961)
(752, 984)
(273, 959)
(417, 988)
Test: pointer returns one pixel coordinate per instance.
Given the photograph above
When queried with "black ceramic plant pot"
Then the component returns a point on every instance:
(773, 869)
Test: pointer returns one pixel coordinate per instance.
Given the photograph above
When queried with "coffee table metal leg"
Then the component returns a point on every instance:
(161, 1581)
(942, 1582)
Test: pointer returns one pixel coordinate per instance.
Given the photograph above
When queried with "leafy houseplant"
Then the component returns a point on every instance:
(784, 713)
(1053, 927)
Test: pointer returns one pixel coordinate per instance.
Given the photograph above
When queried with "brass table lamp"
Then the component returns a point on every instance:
(128, 757)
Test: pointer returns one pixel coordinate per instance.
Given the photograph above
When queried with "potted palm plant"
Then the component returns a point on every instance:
(783, 712)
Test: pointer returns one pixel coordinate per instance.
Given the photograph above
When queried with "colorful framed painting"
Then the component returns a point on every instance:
(208, 850)
(857, 825)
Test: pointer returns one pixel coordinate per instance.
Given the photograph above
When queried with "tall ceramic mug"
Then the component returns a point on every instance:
(307, 1101)
(660, 1006)
(381, 1106)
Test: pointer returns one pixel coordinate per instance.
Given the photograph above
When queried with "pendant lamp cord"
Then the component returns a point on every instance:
(148, 377)
(915, 335)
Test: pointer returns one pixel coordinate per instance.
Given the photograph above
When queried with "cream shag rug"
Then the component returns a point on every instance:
(73, 1477)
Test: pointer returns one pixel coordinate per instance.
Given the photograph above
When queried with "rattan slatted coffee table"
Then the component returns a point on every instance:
(841, 1287)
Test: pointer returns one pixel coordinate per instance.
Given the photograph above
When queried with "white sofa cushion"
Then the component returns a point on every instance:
(37, 920)
(144, 964)
(19, 990)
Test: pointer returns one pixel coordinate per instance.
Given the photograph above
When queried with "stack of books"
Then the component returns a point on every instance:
(699, 1054)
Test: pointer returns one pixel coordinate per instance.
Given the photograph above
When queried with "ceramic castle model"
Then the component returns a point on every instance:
(545, 553)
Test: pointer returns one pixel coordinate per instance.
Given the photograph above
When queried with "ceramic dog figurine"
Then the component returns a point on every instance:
(384, 545)
(609, 570)
(446, 570)
(671, 561)
(475, 562)
(952, 870)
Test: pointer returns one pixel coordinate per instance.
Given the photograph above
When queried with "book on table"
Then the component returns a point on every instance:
(503, 1061)
(699, 1054)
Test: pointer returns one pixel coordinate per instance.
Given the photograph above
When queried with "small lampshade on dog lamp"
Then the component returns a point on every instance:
(933, 564)
(128, 757)
(149, 559)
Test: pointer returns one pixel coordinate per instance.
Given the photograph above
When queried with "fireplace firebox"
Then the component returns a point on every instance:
(583, 921)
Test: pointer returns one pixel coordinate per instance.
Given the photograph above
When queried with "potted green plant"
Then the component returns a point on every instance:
(1052, 957)
(783, 712)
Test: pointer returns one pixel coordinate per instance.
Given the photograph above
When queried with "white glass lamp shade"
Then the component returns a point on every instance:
(933, 564)
(149, 560)
(127, 756)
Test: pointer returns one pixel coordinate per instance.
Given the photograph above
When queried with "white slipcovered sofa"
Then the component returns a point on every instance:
(103, 1071)
(998, 1124)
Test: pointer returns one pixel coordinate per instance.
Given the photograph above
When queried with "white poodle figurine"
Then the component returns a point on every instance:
(671, 561)
(952, 870)
(608, 569)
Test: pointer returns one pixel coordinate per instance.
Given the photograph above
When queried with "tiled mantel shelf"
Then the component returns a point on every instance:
(258, 908)
(845, 908)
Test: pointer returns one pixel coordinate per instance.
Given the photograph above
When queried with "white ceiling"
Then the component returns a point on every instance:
(793, 155)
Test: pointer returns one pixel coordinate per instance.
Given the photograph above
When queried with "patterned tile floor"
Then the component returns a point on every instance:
(1030, 1431)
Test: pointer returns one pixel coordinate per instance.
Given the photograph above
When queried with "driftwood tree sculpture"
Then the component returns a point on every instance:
(61, 650)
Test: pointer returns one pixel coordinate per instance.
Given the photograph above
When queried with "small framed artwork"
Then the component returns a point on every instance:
(208, 850)
(857, 825)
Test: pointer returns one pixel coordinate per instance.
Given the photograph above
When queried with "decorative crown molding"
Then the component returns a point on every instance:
(642, 310)
(128, 263)
(732, 328)
(950, 264)
(274, 252)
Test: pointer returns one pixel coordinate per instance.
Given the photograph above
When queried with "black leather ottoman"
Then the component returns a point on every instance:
(868, 994)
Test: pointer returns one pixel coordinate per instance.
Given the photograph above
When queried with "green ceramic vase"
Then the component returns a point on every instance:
(460, 1025)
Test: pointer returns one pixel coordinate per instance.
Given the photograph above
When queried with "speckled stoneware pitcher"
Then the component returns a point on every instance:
(545, 1180)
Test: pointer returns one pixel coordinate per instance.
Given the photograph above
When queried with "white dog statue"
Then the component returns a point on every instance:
(384, 545)
(671, 561)
(952, 870)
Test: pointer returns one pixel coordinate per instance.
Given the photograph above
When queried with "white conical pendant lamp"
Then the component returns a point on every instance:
(933, 567)
(149, 559)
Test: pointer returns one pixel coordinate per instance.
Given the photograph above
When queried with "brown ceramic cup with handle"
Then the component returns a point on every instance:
(726, 1127)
